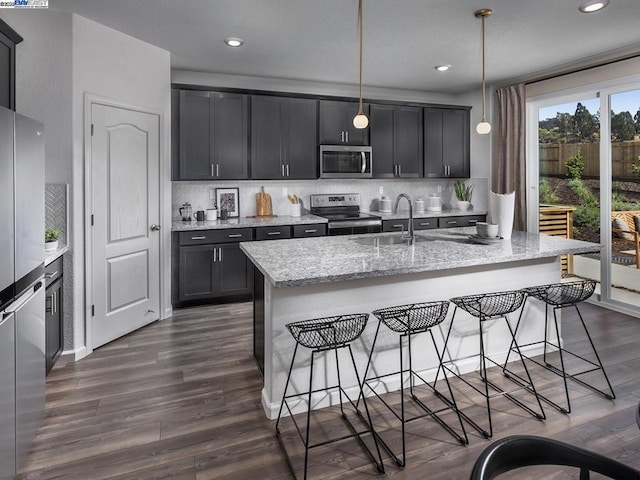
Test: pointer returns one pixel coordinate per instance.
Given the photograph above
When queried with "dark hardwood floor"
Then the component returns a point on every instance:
(180, 399)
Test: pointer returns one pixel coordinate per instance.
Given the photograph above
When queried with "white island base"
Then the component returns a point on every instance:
(285, 305)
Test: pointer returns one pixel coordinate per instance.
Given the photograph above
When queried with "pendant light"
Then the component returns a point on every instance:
(484, 127)
(360, 120)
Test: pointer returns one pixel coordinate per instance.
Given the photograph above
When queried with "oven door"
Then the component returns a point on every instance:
(354, 227)
(345, 161)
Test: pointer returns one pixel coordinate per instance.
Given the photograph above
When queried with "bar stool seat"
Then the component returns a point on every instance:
(324, 335)
(408, 321)
(485, 307)
(558, 296)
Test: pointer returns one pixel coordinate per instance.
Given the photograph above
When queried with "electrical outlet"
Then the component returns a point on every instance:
(284, 191)
(212, 194)
(380, 190)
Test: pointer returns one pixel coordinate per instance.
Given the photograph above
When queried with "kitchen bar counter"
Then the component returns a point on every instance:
(307, 278)
(308, 261)
(246, 222)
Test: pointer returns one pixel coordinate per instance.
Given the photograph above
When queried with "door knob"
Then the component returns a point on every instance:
(155, 228)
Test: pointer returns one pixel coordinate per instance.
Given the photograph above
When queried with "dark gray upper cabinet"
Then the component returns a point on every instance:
(336, 123)
(446, 142)
(213, 136)
(284, 141)
(396, 140)
(9, 38)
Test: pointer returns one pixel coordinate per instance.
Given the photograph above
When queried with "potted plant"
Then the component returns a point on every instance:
(463, 194)
(51, 239)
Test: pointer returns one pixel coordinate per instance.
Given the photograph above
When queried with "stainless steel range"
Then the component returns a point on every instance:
(344, 215)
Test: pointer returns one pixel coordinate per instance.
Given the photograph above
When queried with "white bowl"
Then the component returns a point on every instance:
(487, 230)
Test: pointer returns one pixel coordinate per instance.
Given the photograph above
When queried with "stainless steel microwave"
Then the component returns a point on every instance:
(345, 161)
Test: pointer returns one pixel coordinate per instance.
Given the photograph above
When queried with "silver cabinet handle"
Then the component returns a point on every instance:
(200, 237)
(213, 173)
(282, 169)
(217, 170)
(399, 226)
(234, 235)
(51, 275)
(452, 222)
(473, 221)
(220, 254)
(347, 132)
(287, 169)
(311, 231)
(425, 224)
(364, 162)
(399, 169)
(155, 228)
(274, 233)
(54, 301)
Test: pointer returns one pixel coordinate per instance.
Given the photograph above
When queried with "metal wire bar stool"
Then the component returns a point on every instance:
(408, 321)
(485, 307)
(558, 296)
(323, 335)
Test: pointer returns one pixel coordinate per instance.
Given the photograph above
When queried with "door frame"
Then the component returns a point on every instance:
(165, 233)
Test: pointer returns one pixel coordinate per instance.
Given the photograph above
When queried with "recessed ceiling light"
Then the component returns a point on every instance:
(593, 6)
(234, 41)
(442, 68)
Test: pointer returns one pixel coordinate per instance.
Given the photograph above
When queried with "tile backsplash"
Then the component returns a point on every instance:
(201, 195)
(55, 208)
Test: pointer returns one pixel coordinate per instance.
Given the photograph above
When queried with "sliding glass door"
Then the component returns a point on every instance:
(584, 151)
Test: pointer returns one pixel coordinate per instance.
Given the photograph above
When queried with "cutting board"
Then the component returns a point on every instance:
(263, 204)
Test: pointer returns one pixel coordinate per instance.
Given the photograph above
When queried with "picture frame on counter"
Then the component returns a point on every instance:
(228, 199)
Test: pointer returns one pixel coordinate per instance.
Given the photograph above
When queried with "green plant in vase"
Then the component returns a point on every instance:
(463, 194)
(51, 236)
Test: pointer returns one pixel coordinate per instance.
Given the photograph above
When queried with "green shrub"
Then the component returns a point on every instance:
(585, 218)
(586, 196)
(635, 167)
(575, 166)
(548, 195)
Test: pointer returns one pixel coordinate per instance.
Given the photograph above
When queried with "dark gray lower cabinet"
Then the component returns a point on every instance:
(432, 222)
(461, 221)
(53, 313)
(209, 267)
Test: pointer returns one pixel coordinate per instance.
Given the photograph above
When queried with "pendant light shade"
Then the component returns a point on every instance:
(360, 120)
(484, 127)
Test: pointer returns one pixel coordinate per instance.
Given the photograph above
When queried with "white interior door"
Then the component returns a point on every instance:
(125, 213)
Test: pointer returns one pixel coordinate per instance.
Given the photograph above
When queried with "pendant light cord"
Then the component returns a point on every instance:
(483, 80)
(360, 112)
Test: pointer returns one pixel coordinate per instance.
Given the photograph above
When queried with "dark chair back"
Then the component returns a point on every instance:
(524, 450)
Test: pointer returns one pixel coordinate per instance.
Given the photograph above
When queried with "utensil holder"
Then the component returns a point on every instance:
(296, 211)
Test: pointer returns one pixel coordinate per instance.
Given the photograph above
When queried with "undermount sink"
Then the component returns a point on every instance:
(376, 241)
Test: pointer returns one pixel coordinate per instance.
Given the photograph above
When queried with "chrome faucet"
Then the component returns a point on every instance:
(400, 197)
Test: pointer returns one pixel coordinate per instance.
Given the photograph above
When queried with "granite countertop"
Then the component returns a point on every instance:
(449, 212)
(50, 257)
(308, 261)
(245, 222)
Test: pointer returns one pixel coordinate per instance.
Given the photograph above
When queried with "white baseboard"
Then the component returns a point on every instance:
(75, 354)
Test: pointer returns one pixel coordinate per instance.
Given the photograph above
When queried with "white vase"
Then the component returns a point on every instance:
(50, 246)
(463, 205)
(501, 210)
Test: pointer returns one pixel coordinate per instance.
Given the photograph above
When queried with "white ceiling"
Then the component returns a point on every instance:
(317, 40)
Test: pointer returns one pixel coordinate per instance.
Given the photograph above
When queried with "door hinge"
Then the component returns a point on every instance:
(92, 129)
(92, 219)
(93, 310)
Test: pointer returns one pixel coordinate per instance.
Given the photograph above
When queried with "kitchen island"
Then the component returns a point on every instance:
(299, 279)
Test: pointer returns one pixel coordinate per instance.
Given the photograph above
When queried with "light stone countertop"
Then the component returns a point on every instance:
(308, 261)
(50, 257)
(449, 212)
(244, 222)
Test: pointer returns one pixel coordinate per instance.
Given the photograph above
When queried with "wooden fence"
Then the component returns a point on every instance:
(623, 155)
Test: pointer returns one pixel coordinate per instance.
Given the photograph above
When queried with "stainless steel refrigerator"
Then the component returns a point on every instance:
(22, 292)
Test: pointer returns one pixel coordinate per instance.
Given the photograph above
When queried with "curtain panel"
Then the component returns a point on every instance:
(509, 162)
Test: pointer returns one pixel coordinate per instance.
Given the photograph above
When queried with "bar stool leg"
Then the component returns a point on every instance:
(483, 376)
(286, 386)
(560, 351)
(593, 347)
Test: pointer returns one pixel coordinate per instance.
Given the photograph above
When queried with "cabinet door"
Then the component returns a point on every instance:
(230, 136)
(433, 152)
(336, 123)
(399, 225)
(53, 324)
(267, 126)
(302, 139)
(195, 130)
(455, 142)
(407, 141)
(234, 272)
(382, 140)
(196, 276)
